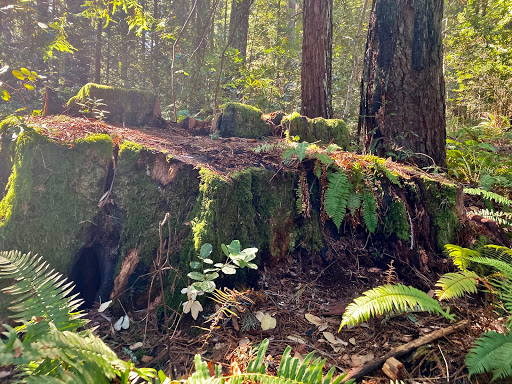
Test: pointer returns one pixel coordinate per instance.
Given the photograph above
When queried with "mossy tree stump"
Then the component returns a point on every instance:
(128, 106)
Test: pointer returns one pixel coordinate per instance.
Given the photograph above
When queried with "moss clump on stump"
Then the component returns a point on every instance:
(52, 196)
(130, 106)
(240, 120)
(312, 130)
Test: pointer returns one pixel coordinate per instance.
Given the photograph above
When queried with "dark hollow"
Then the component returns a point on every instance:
(86, 274)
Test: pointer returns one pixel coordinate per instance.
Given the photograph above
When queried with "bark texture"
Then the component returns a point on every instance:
(316, 75)
(402, 107)
(239, 25)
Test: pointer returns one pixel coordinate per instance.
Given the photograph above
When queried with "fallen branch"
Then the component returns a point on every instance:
(364, 370)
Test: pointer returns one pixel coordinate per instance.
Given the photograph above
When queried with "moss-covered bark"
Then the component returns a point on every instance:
(52, 197)
(130, 106)
(318, 129)
(240, 120)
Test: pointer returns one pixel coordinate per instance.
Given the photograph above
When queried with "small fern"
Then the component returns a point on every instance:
(456, 284)
(489, 196)
(387, 298)
(492, 352)
(336, 196)
(380, 166)
(500, 217)
(369, 210)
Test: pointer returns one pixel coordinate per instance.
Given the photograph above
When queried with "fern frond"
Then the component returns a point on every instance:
(502, 267)
(40, 293)
(369, 210)
(492, 352)
(387, 298)
(489, 196)
(500, 217)
(336, 196)
(456, 284)
(497, 252)
(381, 167)
(460, 255)
(354, 202)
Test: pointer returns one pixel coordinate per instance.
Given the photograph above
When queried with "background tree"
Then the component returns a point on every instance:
(316, 75)
(402, 111)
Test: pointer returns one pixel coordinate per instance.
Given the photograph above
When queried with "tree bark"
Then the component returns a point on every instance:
(402, 108)
(239, 25)
(97, 63)
(316, 75)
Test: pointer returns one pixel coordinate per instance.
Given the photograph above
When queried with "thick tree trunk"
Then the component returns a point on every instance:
(402, 107)
(239, 25)
(316, 59)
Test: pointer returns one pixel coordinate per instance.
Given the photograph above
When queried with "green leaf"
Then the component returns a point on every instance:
(252, 266)
(234, 247)
(211, 276)
(29, 86)
(197, 276)
(301, 150)
(208, 270)
(25, 71)
(205, 250)
(208, 261)
(225, 249)
(195, 264)
(324, 159)
(18, 74)
(229, 270)
(208, 286)
(336, 196)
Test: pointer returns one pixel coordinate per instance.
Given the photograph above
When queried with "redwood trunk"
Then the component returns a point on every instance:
(316, 76)
(239, 25)
(402, 109)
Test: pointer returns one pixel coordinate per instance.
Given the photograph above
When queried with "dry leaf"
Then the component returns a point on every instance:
(136, 346)
(314, 319)
(352, 341)
(259, 315)
(330, 337)
(268, 322)
(104, 305)
(358, 360)
(296, 339)
(146, 359)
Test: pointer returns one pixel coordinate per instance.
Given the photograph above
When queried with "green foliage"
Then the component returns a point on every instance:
(489, 196)
(491, 353)
(291, 369)
(48, 345)
(336, 196)
(387, 298)
(452, 285)
(369, 210)
(205, 277)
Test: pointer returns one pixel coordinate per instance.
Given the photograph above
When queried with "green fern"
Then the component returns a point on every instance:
(500, 217)
(387, 298)
(456, 284)
(48, 347)
(369, 210)
(489, 196)
(51, 303)
(460, 256)
(336, 196)
(354, 202)
(380, 166)
(492, 352)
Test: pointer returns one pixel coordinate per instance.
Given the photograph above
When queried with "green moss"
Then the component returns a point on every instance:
(396, 220)
(7, 123)
(312, 130)
(250, 207)
(240, 120)
(52, 196)
(133, 107)
(440, 200)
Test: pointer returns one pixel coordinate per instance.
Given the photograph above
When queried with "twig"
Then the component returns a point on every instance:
(445, 363)
(403, 349)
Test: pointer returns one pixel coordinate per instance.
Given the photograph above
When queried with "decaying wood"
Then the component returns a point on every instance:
(403, 349)
(394, 369)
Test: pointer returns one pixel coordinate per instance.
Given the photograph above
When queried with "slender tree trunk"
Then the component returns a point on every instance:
(355, 68)
(97, 63)
(402, 107)
(316, 72)
(239, 25)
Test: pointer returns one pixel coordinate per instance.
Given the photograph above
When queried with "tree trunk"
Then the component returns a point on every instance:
(97, 64)
(316, 73)
(402, 108)
(239, 25)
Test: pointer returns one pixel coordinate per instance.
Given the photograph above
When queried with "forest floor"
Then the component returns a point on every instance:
(306, 297)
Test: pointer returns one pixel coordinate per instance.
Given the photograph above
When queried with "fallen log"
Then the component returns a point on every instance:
(365, 369)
